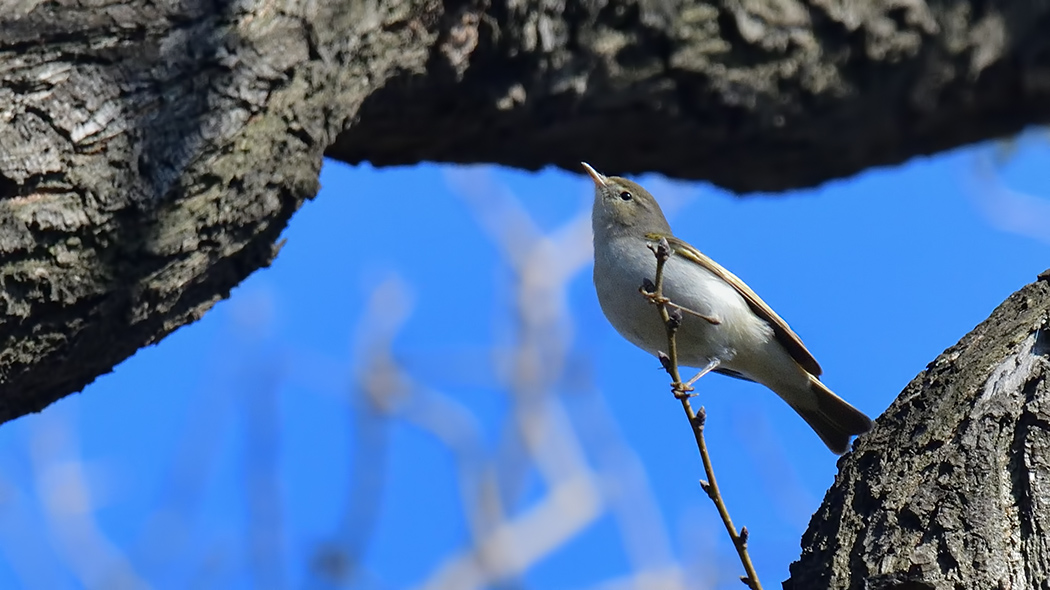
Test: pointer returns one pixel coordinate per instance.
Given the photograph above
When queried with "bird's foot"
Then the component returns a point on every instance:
(682, 391)
(649, 292)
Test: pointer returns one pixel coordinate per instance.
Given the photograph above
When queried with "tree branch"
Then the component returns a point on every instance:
(696, 420)
(950, 488)
(754, 95)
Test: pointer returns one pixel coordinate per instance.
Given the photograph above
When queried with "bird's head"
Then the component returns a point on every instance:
(622, 205)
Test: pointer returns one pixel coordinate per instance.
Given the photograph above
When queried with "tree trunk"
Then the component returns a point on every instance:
(951, 489)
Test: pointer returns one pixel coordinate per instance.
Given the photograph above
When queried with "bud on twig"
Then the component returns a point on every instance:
(663, 249)
(674, 319)
(664, 360)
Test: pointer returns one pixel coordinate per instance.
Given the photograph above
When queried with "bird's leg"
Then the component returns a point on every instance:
(685, 389)
(688, 385)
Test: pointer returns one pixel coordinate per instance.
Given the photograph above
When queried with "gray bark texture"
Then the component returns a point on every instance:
(951, 489)
(152, 152)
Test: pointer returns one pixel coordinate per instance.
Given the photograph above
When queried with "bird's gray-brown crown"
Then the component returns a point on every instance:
(621, 204)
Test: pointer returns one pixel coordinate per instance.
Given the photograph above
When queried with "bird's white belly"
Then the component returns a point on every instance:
(621, 269)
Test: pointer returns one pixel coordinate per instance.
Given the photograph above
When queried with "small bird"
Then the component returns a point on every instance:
(725, 326)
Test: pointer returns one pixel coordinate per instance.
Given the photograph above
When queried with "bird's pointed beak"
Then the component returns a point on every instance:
(594, 174)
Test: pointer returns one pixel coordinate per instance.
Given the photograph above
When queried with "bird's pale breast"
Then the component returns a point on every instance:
(620, 269)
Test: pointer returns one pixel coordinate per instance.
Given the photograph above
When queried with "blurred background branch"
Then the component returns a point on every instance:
(552, 466)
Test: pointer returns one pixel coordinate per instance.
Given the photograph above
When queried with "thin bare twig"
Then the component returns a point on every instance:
(681, 391)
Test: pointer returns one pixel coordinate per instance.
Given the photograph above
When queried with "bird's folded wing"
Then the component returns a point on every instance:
(787, 338)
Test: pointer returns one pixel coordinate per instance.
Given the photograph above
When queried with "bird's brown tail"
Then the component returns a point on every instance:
(833, 419)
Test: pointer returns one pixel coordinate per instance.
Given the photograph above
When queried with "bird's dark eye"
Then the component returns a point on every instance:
(626, 196)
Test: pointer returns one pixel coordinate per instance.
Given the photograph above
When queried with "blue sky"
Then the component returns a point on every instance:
(229, 454)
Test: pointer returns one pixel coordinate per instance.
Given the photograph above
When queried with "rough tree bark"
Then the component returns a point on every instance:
(952, 487)
(151, 153)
